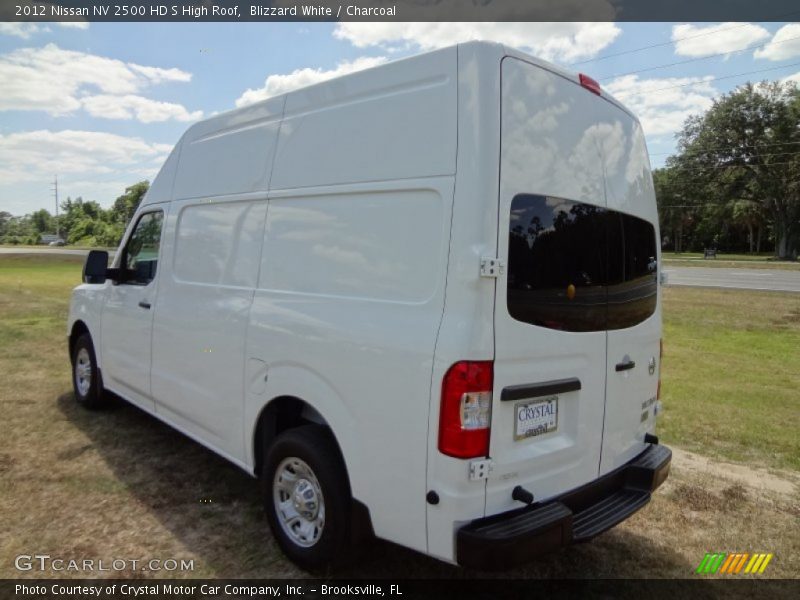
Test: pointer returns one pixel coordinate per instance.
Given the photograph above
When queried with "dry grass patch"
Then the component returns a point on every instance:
(120, 484)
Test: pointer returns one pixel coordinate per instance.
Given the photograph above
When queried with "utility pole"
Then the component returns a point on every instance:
(55, 193)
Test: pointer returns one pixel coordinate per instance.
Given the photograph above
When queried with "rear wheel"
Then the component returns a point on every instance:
(307, 496)
(85, 375)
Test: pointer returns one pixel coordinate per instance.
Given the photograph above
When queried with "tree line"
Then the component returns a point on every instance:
(80, 222)
(734, 184)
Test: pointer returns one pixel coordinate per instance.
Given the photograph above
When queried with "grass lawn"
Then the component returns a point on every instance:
(118, 483)
(731, 374)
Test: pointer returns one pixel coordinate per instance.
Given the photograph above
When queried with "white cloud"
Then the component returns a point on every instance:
(550, 41)
(37, 155)
(26, 30)
(55, 80)
(21, 30)
(691, 40)
(279, 84)
(159, 75)
(792, 79)
(130, 106)
(660, 104)
(74, 24)
(785, 44)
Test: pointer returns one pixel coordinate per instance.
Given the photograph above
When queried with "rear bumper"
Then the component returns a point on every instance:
(514, 537)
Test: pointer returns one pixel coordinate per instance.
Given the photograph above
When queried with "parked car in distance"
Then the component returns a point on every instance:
(419, 301)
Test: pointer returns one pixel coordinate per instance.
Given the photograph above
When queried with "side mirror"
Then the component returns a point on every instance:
(95, 269)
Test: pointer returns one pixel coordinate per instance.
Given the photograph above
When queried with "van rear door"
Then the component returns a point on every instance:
(550, 306)
(634, 308)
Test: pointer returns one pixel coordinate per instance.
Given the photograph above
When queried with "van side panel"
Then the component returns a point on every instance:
(467, 331)
(363, 351)
(395, 122)
(229, 154)
(210, 267)
(161, 188)
(352, 279)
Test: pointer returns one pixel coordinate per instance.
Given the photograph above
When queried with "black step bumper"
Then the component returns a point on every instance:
(514, 537)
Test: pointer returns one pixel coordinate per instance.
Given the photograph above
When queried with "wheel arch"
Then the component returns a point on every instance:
(77, 330)
(286, 412)
(281, 414)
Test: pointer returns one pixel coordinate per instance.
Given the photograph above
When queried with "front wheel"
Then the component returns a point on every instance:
(85, 375)
(307, 496)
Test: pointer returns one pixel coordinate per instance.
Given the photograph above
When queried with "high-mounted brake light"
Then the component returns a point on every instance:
(464, 418)
(590, 84)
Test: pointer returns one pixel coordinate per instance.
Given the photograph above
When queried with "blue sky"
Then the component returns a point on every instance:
(101, 104)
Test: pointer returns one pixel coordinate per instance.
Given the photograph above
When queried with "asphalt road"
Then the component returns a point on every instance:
(743, 279)
(28, 250)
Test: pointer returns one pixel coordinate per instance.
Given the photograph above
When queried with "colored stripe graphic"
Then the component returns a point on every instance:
(701, 567)
(711, 562)
(765, 563)
(732, 564)
(717, 562)
(741, 562)
(726, 566)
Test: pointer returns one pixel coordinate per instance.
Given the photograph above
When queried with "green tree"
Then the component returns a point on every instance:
(742, 150)
(125, 205)
(5, 217)
(43, 221)
(750, 214)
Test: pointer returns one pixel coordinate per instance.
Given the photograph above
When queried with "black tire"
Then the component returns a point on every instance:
(93, 396)
(313, 444)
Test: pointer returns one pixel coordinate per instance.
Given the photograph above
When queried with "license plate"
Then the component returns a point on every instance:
(535, 418)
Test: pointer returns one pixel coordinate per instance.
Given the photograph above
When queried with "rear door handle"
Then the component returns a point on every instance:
(145, 305)
(625, 366)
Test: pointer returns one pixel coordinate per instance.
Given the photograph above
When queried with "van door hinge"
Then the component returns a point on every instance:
(479, 469)
(492, 267)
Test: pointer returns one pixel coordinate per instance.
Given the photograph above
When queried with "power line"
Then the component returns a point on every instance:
(696, 168)
(717, 155)
(723, 148)
(712, 155)
(670, 87)
(688, 37)
(704, 204)
(624, 52)
(683, 62)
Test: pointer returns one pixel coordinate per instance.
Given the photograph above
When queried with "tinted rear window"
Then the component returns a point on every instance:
(578, 267)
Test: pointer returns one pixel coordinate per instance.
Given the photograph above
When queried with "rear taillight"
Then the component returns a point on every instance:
(590, 84)
(466, 410)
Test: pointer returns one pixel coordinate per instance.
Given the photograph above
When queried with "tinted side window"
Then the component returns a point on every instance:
(140, 256)
(557, 263)
(578, 267)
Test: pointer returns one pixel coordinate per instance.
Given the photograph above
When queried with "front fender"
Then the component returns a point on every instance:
(86, 306)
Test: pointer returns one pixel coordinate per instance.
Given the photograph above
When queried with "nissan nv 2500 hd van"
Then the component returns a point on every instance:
(419, 301)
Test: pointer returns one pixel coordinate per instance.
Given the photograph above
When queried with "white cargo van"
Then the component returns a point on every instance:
(419, 301)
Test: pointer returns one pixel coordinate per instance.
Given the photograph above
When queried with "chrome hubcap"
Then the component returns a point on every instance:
(299, 504)
(83, 371)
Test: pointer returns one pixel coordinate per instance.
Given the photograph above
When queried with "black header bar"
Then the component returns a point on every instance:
(400, 10)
